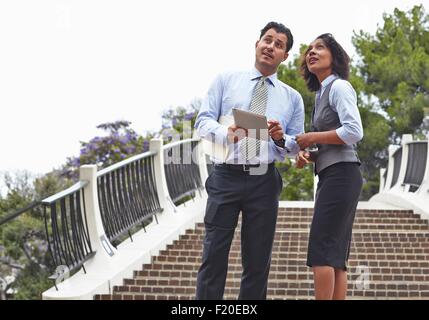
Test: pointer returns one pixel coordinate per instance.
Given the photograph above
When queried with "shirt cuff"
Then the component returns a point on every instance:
(279, 148)
(279, 152)
(343, 135)
(290, 143)
(221, 135)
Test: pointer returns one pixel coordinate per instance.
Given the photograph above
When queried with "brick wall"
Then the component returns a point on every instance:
(389, 259)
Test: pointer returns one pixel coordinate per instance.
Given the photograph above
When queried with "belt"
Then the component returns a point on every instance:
(242, 167)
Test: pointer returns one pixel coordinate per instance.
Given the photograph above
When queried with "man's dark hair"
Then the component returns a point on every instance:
(340, 62)
(280, 28)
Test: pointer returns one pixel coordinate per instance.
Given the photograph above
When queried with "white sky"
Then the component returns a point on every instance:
(67, 66)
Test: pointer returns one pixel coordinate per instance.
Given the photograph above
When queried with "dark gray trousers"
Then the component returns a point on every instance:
(256, 196)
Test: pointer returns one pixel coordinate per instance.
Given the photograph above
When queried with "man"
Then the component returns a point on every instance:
(236, 184)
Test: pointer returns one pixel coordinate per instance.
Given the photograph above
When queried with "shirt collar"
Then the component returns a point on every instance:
(255, 74)
(328, 80)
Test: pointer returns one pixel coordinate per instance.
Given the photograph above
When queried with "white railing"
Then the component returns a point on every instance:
(110, 265)
(405, 181)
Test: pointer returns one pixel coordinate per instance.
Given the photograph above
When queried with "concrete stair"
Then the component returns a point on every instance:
(389, 259)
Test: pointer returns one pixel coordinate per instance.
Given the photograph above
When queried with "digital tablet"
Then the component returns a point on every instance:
(256, 124)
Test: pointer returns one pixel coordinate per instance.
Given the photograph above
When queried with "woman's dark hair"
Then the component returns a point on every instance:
(340, 62)
(280, 28)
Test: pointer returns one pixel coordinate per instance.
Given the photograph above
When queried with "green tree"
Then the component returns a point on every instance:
(50, 183)
(394, 64)
(372, 149)
(392, 81)
(23, 251)
(297, 183)
(291, 75)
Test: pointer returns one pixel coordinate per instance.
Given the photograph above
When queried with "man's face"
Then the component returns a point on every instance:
(271, 49)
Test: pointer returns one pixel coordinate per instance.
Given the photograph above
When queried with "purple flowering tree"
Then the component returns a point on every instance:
(119, 143)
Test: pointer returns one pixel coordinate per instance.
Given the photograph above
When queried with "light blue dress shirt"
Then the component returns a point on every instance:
(342, 99)
(234, 90)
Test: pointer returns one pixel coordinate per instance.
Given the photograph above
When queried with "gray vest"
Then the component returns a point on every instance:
(323, 118)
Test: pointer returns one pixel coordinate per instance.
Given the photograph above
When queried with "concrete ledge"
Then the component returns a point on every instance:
(404, 200)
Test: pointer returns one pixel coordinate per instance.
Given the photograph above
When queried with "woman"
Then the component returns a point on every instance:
(335, 128)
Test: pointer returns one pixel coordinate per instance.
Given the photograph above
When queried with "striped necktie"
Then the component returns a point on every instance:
(250, 147)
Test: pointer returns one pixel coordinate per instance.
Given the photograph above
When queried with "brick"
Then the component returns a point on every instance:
(393, 258)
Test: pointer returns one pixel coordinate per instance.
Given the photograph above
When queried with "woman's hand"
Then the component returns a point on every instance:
(302, 159)
(305, 140)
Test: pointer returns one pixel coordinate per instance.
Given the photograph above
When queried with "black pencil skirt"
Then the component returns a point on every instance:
(337, 196)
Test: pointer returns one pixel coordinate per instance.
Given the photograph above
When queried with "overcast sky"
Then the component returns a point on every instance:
(67, 66)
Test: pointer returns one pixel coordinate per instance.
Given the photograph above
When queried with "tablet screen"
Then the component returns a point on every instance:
(256, 124)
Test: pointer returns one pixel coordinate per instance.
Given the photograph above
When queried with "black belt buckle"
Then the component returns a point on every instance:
(246, 168)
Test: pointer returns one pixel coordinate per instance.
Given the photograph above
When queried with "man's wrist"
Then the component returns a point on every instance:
(280, 143)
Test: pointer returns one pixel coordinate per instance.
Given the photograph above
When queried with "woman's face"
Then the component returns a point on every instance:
(319, 59)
